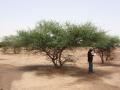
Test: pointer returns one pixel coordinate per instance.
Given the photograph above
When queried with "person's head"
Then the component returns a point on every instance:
(91, 49)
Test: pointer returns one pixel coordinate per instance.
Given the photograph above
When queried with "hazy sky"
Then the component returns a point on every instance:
(21, 14)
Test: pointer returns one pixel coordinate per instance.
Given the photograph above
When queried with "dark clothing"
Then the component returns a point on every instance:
(90, 68)
(90, 59)
(90, 56)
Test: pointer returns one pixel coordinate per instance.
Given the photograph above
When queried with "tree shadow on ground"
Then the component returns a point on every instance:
(109, 64)
(8, 74)
(72, 71)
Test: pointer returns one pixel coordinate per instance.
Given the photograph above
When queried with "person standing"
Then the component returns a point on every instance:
(90, 60)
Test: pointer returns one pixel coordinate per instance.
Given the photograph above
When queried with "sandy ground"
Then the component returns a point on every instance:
(35, 72)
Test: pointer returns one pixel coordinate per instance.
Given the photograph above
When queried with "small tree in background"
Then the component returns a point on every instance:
(10, 42)
(105, 47)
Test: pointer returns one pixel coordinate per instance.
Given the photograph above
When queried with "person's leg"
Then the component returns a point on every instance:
(90, 67)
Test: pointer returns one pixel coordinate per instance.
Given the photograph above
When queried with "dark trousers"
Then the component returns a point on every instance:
(90, 68)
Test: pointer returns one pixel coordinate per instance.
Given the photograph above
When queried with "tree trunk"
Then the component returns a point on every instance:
(101, 56)
(14, 50)
(107, 56)
(55, 55)
(57, 63)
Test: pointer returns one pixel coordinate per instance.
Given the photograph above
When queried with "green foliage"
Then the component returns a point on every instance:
(53, 38)
(106, 45)
(53, 35)
(10, 42)
(88, 34)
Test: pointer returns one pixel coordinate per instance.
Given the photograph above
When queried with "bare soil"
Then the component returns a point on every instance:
(36, 72)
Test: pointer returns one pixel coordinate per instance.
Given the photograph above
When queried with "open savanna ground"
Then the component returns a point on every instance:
(36, 72)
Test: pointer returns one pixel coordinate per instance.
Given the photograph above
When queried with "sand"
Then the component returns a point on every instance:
(36, 72)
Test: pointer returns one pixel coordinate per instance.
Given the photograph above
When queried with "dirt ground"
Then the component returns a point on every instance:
(36, 72)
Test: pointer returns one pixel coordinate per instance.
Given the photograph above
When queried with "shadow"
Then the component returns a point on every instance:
(72, 71)
(8, 74)
(108, 64)
(2, 59)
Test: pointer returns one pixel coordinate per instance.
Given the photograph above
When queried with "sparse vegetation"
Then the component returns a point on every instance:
(53, 38)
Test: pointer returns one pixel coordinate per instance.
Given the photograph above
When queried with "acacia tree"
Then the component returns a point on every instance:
(106, 46)
(10, 42)
(49, 37)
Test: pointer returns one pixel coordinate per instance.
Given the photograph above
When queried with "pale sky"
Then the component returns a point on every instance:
(21, 14)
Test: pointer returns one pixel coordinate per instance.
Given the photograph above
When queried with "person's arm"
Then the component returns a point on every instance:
(93, 53)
